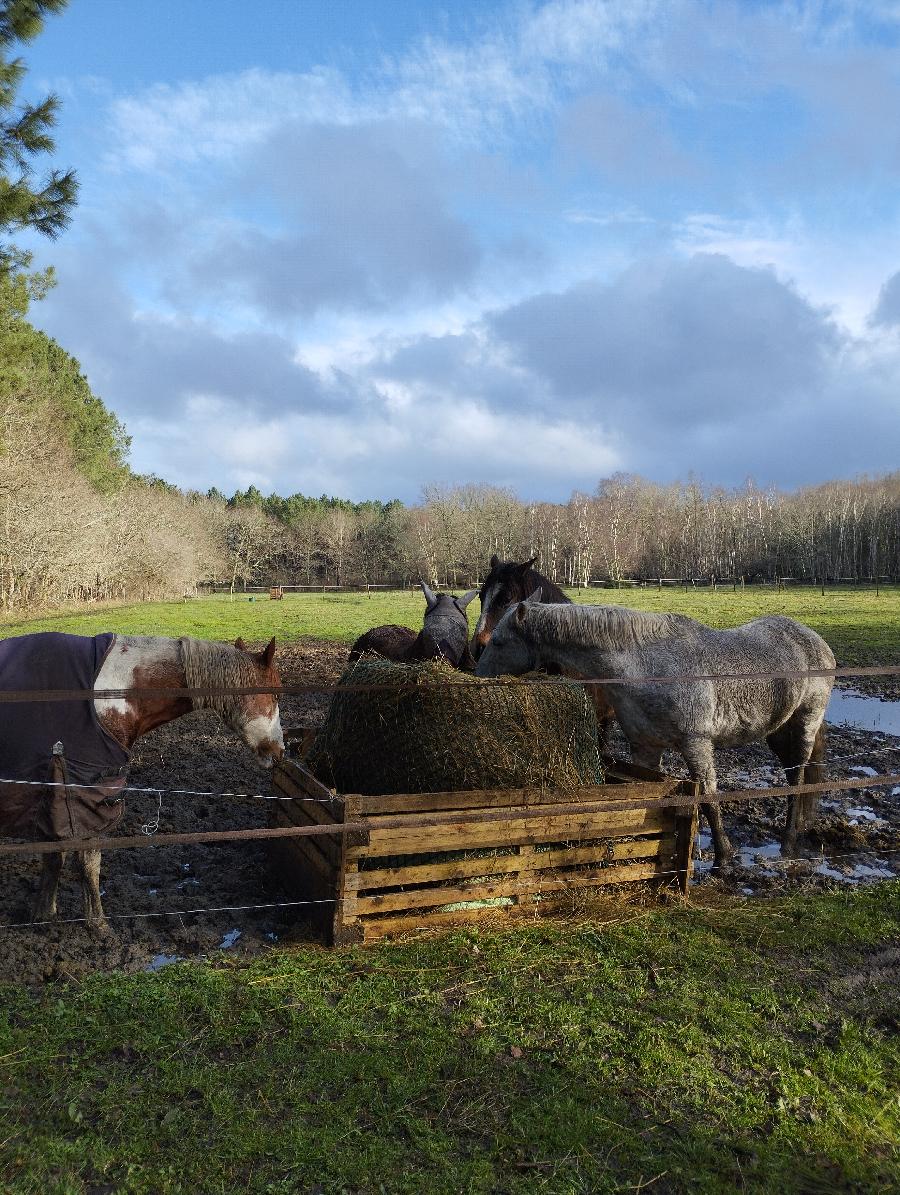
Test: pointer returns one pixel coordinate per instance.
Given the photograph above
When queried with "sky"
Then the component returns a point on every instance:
(356, 247)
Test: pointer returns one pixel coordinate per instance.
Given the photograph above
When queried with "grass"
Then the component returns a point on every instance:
(750, 1046)
(860, 625)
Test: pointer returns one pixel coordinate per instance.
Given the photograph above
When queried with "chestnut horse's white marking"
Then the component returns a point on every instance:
(117, 671)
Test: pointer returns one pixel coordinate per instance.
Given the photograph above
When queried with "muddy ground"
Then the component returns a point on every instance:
(858, 840)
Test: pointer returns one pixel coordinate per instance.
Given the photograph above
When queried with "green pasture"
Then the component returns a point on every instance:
(862, 627)
(745, 1046)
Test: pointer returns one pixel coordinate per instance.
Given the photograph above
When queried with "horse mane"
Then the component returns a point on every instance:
(618, 627)
(216, 666)
(550, 591)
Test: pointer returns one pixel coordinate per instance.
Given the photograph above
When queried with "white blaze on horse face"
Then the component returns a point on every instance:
(265, 731)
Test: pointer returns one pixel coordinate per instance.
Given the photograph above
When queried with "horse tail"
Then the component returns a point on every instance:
(813, 773)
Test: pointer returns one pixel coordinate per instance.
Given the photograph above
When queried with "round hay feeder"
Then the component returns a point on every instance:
(434, 729)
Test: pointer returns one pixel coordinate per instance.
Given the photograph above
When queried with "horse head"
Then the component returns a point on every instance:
(510, 651)
(255, 716)
(506, 583)
(445, 628)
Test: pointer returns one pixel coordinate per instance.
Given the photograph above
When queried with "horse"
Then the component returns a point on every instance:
(689, 716)
(444, 634)
(508, 583)
(89, 741)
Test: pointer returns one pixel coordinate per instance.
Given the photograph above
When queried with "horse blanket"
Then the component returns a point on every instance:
(93, 765)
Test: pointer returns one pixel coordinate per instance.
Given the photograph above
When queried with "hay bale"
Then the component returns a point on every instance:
(445, 731)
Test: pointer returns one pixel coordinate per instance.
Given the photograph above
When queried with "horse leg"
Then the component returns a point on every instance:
(89, 863)
(801, 752)
(44, 906)
(698, 754)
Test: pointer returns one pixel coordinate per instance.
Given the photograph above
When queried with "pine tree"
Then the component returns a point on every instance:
(25, 202)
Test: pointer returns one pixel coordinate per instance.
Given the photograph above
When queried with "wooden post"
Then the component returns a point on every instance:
(345, 926)
(686, 820)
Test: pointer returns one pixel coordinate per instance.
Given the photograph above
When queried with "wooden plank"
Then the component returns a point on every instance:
(685, 837)
(346, 928)
(310, 813)
(376, 927)
(464, 835)
(500, 798)
(625, 770)
(532, 885)
(319, 853)
(293, 778)
(386, 877)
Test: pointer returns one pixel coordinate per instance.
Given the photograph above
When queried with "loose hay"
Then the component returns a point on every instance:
(440, 730)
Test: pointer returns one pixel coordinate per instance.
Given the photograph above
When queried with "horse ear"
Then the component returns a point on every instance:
(495, 560)
(521, 612)
(240, 644)
(269, 653)
(526, 565)
(430, 596)
(535, 599)
(466, 598)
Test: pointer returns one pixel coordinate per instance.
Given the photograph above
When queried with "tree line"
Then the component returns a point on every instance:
(628, 528)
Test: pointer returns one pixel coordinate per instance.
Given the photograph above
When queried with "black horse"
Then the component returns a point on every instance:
(508, 583)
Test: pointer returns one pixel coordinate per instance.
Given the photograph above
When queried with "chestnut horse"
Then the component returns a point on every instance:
(508, 583)
(90, 799)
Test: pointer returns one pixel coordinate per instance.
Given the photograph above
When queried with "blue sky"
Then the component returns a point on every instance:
(359, 247)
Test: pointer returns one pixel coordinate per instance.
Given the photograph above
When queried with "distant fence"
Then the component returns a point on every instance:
(714, 583)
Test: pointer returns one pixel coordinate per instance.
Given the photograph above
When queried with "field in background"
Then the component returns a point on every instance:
(861, 626)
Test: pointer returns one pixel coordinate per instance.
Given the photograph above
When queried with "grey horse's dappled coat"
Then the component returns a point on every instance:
(689, 715)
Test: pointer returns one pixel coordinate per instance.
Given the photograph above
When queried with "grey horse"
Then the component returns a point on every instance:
(690, 716)
(444, 634)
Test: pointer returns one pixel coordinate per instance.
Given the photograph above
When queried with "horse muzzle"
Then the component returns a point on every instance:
(479, 642)
(268, 752)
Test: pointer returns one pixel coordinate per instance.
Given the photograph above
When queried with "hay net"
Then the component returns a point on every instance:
(444, 730)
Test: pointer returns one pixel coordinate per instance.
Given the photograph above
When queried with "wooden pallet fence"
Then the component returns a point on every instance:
(387, 880)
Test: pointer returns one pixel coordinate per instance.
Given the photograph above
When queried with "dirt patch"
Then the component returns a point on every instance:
(198, 754)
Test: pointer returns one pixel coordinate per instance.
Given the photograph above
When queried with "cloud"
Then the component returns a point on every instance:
(364, 221)
(681, 340)
(623, 143)
(887, 310)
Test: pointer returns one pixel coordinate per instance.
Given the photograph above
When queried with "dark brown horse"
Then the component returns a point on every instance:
(444, 634)
(508, 583)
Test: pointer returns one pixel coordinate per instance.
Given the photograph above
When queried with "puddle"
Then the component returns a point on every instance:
(765, 859)
(849, 708)
(230, 938)
(864, 815)
(162, 960)
(759, 856)
(859, 871)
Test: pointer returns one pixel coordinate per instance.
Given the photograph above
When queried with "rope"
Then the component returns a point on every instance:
(468, 817)
(42, 695)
